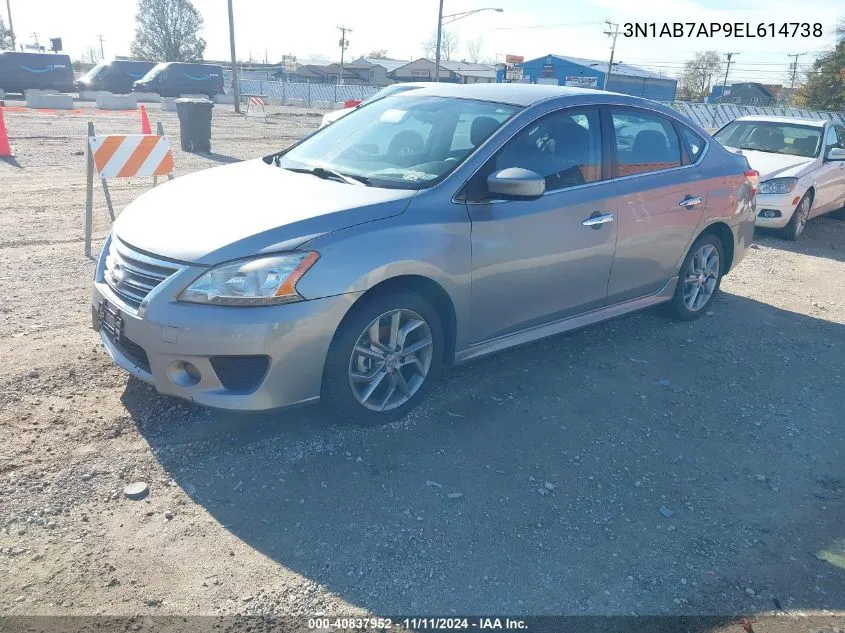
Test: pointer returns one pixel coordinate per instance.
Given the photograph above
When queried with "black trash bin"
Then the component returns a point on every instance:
(195, 124)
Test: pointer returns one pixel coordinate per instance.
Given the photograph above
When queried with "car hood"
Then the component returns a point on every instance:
(247, 208)
(776, 165)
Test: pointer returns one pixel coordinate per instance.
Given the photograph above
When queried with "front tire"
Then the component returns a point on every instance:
(384, 357)
(699, 278)
(798, 221)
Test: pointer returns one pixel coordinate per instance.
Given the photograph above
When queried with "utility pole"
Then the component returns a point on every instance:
(236, 95)
(35, 37)
(11, 28)
(724, 83)
(614, 33)
(794, 72)
(439, 35)
(102, 52)
(343, 44)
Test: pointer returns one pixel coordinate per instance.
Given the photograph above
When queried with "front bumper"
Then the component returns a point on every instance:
(155, 344)
(782, 204)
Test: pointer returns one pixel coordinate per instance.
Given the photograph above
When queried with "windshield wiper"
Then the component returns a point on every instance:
(329, 174)
(760, 149)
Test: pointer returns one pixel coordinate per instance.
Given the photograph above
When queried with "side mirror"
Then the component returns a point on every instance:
(515, 182)
(836, 153)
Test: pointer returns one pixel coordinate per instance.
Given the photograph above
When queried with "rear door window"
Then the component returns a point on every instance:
(645, 142)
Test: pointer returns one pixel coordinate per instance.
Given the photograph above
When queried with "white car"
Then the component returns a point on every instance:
(801, 164)
(393, 89)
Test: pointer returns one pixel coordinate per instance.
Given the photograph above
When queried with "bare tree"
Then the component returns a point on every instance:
(92, 55)
(380, 53)
(5, 37)
(700, 73)
(474, 49)
(168, 30)
(448, 44)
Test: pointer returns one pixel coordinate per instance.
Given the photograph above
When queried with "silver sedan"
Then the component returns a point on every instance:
(431, 227)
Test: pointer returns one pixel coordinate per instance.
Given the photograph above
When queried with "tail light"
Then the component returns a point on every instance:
(753, 177)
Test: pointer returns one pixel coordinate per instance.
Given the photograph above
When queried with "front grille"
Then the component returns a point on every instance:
(132, 351)
(241, 373)
(133, 275)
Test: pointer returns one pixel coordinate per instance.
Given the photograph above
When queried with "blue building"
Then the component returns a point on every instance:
(589, 73)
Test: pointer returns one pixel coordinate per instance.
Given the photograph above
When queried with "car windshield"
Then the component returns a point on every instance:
(96, 70)
(773, 137)
(155, 70)
(401, 142)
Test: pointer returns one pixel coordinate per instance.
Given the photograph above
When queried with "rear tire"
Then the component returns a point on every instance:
(798, 221)
(699, 278)
(387, 380)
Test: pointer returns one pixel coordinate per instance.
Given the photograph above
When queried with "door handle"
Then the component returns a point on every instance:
(596, 220)
(690, 202)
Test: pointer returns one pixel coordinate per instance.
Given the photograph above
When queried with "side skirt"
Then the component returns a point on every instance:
(565, 325)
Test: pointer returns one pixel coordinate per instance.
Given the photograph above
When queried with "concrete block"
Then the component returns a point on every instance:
(224, 99)
(49, 101)
(109, 101)
(168, 104)
(34, 91)
(91, 95)
(147, 97)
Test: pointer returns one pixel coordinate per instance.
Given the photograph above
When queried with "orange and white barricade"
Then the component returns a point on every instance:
(255, 106)
(123, 156)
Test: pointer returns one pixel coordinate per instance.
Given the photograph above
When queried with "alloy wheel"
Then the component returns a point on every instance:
(701, 277)
(391, 360)
(802, 215)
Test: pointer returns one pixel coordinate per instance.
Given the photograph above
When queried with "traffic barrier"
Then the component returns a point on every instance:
(109, 101)
(49, 101)
(123, 156)
(5, 147)
(255, 105)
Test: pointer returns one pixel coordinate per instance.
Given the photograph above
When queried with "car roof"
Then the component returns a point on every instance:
(783, 119)
(512, 94)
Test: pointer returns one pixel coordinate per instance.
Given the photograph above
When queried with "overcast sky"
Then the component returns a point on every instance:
(526, 27)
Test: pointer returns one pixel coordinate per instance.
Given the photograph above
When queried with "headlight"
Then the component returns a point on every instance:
(778, 185)
(251, 282)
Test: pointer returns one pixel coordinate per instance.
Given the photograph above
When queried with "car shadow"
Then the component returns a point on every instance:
(223, 159)
(823, 236)
(639, 466)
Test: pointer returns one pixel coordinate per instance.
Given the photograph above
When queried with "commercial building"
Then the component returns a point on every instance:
(563, 70)
(450, 71)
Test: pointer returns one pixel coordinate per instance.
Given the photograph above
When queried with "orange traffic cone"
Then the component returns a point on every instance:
(5, 148)
(145, 122)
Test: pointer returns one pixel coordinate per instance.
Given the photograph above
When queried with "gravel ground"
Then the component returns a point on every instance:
(642, 466)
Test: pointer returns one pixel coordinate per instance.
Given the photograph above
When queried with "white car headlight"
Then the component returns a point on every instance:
(778, 185)
(256, 281)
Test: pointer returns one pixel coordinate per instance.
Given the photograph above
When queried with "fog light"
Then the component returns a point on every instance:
(193, 372)
(769, 213)
(184, 374)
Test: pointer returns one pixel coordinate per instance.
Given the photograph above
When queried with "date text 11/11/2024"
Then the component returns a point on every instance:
(418, 624)
(722, 29)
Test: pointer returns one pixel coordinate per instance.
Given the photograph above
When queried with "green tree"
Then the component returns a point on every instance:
(824, 85)
(168, 30)
(5, 37)
(700, 73)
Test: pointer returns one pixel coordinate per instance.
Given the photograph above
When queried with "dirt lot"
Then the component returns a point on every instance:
(564, 451)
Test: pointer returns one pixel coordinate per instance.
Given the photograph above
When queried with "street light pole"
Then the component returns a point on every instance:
(236, 93)
(449, 19)
(11, 28)
(439, 35)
